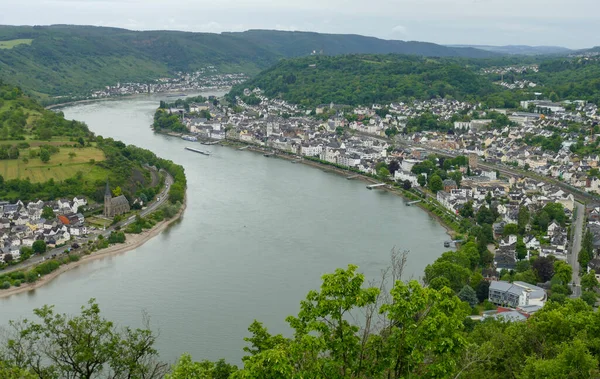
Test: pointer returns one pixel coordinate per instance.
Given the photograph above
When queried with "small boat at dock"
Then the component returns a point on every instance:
(189, 138)
(198, 151)
(446, 244)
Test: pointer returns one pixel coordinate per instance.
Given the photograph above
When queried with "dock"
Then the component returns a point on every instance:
(243, 147)
(413, 202)
(374, 186)
(352, 177)
(197, 151)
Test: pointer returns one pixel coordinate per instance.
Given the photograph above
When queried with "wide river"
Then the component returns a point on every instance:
(257, 235)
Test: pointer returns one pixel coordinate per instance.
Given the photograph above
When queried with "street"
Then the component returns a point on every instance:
(37, 259)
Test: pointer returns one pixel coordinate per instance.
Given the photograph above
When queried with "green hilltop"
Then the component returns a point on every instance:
(63, 60)
(44, 156)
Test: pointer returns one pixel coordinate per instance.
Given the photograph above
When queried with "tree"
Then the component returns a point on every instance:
(44, 155)
(469, 295)
(563, 272)
(510, 229)
(82, 346)
(185, 368)
(523, 219)
(39, 247)
(586, 254)
(589, 281)
(456, 274)
(521, 249)
(48, 213)
(383, 173)
(393, 166)
(435, 183)
(467, 210)
(543, 268)
(590, 297)
(422, 180)
(72, 155)
(406, 184)
(483, 290)
(117, 191)
(322, 327)
(488, 198)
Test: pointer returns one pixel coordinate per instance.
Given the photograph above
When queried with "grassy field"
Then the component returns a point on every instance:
(60, 167)
(14, 42)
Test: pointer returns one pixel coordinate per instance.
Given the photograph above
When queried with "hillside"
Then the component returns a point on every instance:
(64, 60)
(298, 44)
(367, 79)
(44, 156)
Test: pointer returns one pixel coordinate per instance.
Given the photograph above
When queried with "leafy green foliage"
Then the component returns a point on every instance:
(367, 79)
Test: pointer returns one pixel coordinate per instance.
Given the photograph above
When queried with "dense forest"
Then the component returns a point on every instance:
(368, 79)
(63, 60)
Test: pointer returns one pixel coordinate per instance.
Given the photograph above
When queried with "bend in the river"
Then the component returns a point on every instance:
(255, 238)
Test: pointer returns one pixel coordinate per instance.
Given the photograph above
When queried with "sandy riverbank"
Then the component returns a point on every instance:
(132, 242)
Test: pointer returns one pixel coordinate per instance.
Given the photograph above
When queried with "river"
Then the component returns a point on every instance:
(256, 236)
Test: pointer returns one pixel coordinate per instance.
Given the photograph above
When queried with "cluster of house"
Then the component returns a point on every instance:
(518, 84)
(508, 197)
(593, 225)
(519, 69)
(22, 224)
(204, 79)
(508, 145)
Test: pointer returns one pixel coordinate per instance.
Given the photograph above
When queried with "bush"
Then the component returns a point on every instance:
(5, 286)
(31, 276)
(17, 283)
(73, 257)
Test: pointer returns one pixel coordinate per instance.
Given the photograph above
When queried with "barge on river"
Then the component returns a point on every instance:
(198, 151)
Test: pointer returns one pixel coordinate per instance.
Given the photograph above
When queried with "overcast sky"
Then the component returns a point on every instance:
(569, 23)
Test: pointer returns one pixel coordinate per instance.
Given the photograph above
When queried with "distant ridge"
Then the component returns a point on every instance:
(59, 60)
(520, 49)
(296, 43)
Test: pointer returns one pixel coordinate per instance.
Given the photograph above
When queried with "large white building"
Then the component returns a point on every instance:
(516, 294)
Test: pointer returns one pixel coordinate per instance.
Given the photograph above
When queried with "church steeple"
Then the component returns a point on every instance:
(107, 201)
(107, 192)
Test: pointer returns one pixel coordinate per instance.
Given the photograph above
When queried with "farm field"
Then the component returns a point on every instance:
(14, 42)
(60, 167)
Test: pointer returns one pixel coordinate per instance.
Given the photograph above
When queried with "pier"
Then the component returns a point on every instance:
(374, 186)
(352, 177)
(413, 202)
(243, 147)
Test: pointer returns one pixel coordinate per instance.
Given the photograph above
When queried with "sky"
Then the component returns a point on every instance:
(485, 22)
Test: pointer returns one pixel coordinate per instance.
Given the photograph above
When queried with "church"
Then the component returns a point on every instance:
(114, 206)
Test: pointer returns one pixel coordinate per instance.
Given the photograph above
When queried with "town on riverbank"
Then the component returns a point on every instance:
(513, 179)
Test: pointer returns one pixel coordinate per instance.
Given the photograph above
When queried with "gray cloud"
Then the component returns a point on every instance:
(498, 22)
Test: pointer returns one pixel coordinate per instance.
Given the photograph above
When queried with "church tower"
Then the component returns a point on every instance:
(107, 201)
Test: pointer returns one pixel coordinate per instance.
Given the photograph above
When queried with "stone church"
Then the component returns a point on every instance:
(114, 206)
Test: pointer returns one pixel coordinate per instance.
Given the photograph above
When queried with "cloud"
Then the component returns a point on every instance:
(399, 29)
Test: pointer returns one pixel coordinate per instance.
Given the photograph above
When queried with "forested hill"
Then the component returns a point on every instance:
(71, 60)
(368, 79)
(44, 156)
(298, 44)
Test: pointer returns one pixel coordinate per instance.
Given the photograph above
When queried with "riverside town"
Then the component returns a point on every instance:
(320, 205)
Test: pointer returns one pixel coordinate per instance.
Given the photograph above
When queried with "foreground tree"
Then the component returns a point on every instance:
(83, 346)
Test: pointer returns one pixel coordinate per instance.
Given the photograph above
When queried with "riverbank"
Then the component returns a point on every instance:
(132, 242)
(450, 231)
(132, 96)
